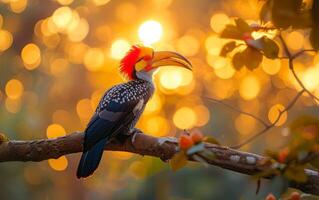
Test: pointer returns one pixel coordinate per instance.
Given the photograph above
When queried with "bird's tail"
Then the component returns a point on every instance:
(90, 159)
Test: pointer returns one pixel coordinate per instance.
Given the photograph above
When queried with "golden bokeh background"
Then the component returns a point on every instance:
(58, 57)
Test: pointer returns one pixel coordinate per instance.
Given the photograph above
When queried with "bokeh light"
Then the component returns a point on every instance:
(295, 40)
(271, 66)
(84, 109)
(59, 66)
(13, 105)
(62, 17)
(150, 32)
(203, 115)
(126, 12)
(249, 87)
(55, 130)
(31, 56)
(1, 21)
(94, 59)
(274, 112)
(245, 125)
(59, 164)
(65, 2)
(310, 78)
(122, 155)
(153, 105)
(119, 48)
(100, 2)
(225, 72)
(6, 40)
(170, 78)
(185, 118)
(18, 6)
(187, 45)
(78, 30)
(14, 89)
(219, 21)
(157, 126)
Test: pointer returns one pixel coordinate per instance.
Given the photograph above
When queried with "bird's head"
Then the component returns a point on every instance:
(140, 62)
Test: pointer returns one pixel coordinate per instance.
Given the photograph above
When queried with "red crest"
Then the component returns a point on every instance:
(128, 62)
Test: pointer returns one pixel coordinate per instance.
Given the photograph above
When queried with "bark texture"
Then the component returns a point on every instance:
(227, 158)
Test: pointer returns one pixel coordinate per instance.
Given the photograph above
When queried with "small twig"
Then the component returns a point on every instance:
(291, 65)
(292, 69)
(238, 110)
(266, 125)
(303, 51)
(269, 126)
(283, 57)
(264, 28)
(284, 45)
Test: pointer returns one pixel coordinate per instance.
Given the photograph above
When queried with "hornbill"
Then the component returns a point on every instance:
(122, 105)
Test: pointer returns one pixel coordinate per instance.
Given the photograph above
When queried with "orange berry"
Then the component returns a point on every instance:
(295, 196)
(270, 197)
(185, 142)
(283, 154)
(197, 137)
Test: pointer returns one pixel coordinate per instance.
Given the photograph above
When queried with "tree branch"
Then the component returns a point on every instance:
(227, 158)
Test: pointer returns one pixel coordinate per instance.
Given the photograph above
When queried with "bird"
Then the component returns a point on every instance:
(122, 105)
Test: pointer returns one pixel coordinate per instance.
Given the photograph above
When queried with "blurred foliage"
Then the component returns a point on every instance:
(58, 57)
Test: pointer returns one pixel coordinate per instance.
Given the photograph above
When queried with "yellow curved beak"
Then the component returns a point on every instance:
(169, 58)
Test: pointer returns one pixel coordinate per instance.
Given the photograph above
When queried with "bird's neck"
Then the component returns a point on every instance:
(146, 76)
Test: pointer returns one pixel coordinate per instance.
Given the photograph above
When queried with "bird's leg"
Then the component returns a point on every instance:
(133, 132)
(162, 140)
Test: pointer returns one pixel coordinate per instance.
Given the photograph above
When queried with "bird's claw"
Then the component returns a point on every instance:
(162, 140)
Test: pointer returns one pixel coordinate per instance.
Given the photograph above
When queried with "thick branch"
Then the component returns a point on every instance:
(227, 158)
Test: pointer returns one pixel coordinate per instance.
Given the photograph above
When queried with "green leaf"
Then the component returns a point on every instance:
(238, 60)
(231, 32)
(266, 45)
(289, 13)
(227, 48)
(195, 149)
(270, 48)
(178, 161)
(211, 140)
(252, 58)
(3, 138)
(243, 26)
(296, 173)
